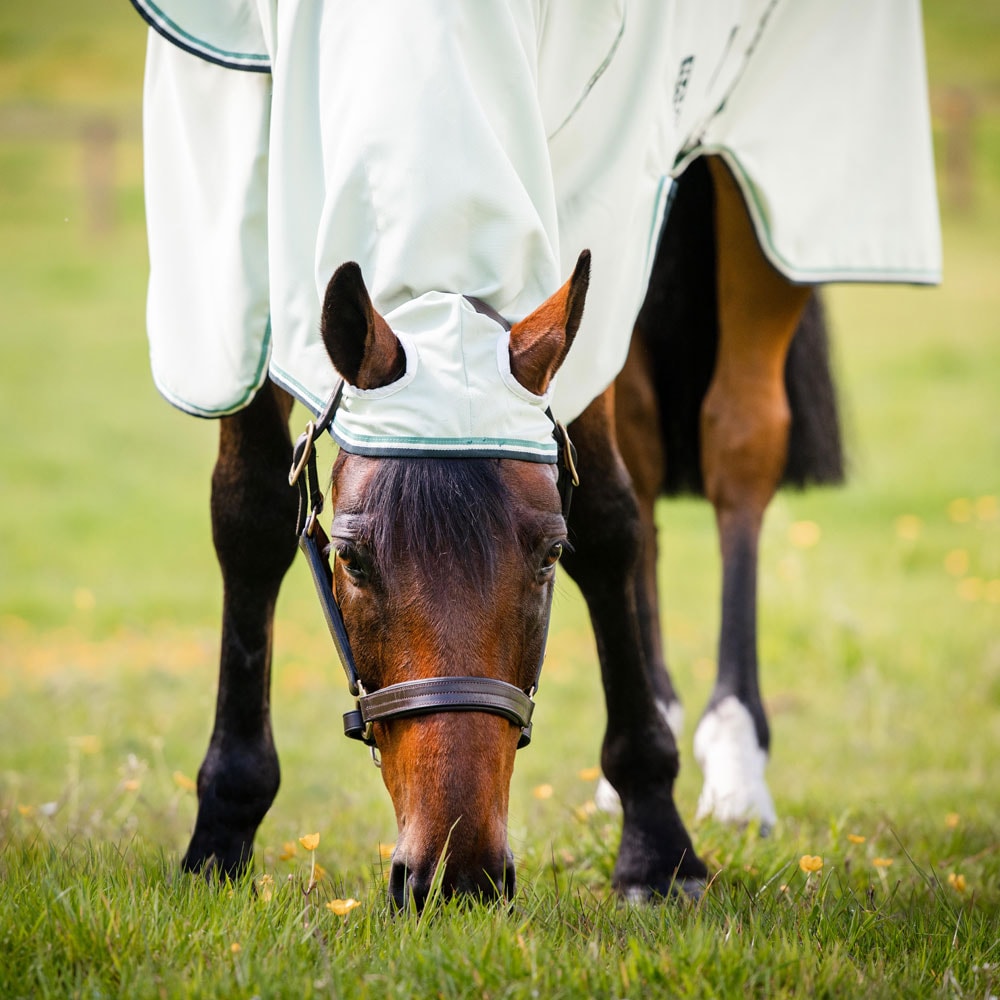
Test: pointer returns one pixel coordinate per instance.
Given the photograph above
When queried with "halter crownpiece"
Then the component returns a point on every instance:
(411, 425)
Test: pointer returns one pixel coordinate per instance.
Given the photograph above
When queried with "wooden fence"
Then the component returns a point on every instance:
(957, 114)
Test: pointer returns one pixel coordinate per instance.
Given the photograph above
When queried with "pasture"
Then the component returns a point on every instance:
(880, 643)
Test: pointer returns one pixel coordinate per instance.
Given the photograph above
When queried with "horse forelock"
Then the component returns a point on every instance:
(446, 519)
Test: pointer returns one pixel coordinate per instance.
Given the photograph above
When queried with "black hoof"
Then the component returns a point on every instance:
(688, 889)
(217, 851)
(218, 865)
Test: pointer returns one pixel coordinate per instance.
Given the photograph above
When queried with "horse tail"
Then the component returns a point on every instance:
(815, 441)
(678, 324)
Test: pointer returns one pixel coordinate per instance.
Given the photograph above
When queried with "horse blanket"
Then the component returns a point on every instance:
(474, 149)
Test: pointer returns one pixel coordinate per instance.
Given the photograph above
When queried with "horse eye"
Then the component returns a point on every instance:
(553, 555)
(352, 560)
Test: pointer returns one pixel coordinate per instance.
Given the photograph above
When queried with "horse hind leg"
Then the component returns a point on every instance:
(744, 440)
(253, 521)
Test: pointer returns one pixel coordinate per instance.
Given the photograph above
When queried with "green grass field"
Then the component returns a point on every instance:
(880, 636)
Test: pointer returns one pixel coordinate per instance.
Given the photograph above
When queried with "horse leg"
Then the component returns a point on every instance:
(253, 526)
(643, 453)
(636, 413)
(744, 439)
(639, 755)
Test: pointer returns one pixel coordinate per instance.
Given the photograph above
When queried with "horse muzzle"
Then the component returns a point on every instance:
(414, 881)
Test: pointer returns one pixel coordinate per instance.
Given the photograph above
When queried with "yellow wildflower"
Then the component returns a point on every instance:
(543, 792)
(810, 863)
(957, 881)
(952, 820)
(265, 888)
(882, 862)
(589, 774)
(908, 527)
(131, 784)
(342, 906)
(288, 850)
(856, 838)
(987, 508)
(310, 841)
(804, 534)
(181, 780)
(385, 850)
(236, 947)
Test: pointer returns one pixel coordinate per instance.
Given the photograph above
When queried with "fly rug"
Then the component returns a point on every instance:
(371, 207)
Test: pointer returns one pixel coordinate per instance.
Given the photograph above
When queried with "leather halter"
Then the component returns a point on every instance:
(424, 696)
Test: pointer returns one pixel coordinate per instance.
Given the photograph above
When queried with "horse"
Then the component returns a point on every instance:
(445, 565)
(458, 171)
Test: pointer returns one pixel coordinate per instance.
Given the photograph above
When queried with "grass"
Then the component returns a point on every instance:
(127, 924)
(879, 633)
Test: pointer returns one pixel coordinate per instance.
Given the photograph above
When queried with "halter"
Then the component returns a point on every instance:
(424, 696)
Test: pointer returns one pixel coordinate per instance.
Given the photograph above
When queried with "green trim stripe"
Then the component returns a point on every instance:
(297, 389)
(795, 273)
(224, 410)
(171, 30)
(376, 440)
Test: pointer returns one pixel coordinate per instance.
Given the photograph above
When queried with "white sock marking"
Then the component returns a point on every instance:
(726, 748)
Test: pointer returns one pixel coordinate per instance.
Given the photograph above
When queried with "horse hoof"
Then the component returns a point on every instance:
(680, 890)
(726, 748)
(217, 861)
(690, 888)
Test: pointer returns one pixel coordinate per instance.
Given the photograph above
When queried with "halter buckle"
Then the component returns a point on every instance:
(568, 453)
(305, 443)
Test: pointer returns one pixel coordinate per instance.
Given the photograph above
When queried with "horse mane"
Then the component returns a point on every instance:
(445, 516)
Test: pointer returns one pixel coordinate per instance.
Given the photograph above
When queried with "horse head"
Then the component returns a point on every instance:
(443, 567)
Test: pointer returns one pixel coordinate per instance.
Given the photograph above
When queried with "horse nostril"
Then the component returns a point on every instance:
(399, 885)
(414, 885)
(409, 886)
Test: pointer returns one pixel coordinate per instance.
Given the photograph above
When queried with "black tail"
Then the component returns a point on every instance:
(679, 325)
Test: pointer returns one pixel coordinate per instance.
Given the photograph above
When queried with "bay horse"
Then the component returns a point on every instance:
(444, 567)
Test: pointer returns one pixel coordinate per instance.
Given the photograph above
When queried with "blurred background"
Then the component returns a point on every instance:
(880, 617)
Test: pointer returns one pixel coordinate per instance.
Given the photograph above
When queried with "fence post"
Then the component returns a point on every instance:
(958, 113)
(99, 138)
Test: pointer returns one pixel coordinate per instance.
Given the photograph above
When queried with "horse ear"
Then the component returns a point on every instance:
(360, 343)
(540, 342)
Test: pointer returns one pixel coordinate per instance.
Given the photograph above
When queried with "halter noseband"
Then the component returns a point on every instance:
(427, 695)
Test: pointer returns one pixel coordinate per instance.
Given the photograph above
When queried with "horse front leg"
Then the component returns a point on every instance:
(253, 527)
(639, 755)
(744, 434)
(637, 420)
